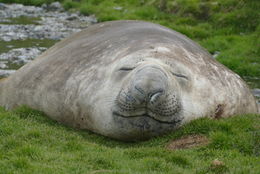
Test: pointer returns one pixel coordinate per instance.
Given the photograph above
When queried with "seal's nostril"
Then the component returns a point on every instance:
(154, 96)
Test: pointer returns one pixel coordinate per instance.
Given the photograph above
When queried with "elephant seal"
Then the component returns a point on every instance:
(129, 80)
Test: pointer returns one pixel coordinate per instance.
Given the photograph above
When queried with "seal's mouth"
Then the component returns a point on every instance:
(146, 116)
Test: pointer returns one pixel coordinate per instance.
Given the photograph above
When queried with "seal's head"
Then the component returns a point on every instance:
(144, 98)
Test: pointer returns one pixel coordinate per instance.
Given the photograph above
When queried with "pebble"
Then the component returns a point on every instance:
(215, 54)
(55, 6)
(217, 163)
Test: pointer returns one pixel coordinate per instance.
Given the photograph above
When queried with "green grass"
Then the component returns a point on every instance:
(7, 46)
(32, 143)
(22, 20)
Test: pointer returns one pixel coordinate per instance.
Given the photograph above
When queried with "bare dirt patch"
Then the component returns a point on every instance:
(188, 142)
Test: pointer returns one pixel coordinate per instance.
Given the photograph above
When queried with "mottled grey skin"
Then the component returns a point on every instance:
(128, 80)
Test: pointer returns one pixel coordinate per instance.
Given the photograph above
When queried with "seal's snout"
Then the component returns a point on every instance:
(149, 84)
(148, 94)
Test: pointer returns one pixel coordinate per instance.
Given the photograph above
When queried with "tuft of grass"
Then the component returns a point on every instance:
(69, 4)
(22, 20)
(7, 46)
(32, 143)
(236, 52)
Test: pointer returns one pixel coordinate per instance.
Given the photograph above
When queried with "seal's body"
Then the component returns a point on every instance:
(128, 80)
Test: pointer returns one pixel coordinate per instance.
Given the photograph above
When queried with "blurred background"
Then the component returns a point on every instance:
(228, 29)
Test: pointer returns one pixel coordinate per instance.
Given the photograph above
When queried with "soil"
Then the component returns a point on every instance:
(187, 142)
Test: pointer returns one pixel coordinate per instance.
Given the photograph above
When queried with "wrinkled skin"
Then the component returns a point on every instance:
(148, 100)
(129, 80)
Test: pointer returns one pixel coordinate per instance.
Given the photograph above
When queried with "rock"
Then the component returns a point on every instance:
(6, 73)
(55, 6)
(44, 6)
(3, 64)
(2, 6)
(218, 166)
(9, 46)
(217, 163)
(215, 55)
(72, 17)
(256, 92)
(118, 8)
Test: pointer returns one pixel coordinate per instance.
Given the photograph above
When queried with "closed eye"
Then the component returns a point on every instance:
(126, 68)
(180, 75)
